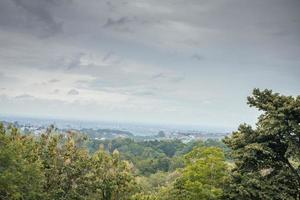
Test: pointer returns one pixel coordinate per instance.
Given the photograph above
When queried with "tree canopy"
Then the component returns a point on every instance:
(267, 157)
(54, 166)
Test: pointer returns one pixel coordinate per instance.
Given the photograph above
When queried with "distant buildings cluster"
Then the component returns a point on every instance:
(104, 134)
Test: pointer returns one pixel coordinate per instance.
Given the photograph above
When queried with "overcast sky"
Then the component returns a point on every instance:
(154, 61)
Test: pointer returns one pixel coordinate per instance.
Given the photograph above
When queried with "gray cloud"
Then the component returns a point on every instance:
(75, 62)
(123, 24)
(144, 93)
(151, 52)
(4, 78)
(177, 79)
(56, 91)
(38, 10)
(198, 57)
(24, 97)
(53, 80)
(169, 77)
(2, 75)
(31, 16)
(73, 92)
(158, 76)
(107, 56)
(118, 22)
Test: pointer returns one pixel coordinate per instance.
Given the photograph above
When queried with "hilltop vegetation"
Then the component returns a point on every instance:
(253, 163)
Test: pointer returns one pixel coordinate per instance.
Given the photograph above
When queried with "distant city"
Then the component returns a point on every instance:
(103, 130)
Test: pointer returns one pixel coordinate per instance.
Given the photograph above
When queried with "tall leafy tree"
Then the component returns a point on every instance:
(21, 172)
(111, 178)
(205, 173)
(55, 166)
(203, 177)
(267, 157)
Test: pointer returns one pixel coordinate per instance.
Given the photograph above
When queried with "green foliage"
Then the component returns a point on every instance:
(205, 173)
(267, 158)
(65, 166)
(111, 176)
(54, 166)
(58, 167)
(21, 175)
(153, 183)
(203, 177)
(142, 196)
(150, 157)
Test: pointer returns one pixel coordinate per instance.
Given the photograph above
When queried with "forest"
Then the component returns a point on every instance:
(261, 162)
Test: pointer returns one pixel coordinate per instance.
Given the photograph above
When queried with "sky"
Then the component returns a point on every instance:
(150, 61)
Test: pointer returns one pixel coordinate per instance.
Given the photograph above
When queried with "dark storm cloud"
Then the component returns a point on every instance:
(33, 16)
(39, 10)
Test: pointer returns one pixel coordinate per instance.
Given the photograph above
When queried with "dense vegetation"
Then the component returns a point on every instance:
(150, 157)
(252, 163)
(267, 157)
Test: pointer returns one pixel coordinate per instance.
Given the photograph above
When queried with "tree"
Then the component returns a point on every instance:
(65, 165)
(267, 157)
(55, 166)
(111, 178)
(21, 175)
(203, 177)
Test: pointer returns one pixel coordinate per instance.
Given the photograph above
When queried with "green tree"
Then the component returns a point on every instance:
(21, 175)
(111, 177)
(55, 166)
(65, 165)
(267, 157)
(205, 173)
(203, 177)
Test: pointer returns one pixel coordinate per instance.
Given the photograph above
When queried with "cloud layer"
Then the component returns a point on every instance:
(167, 61)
